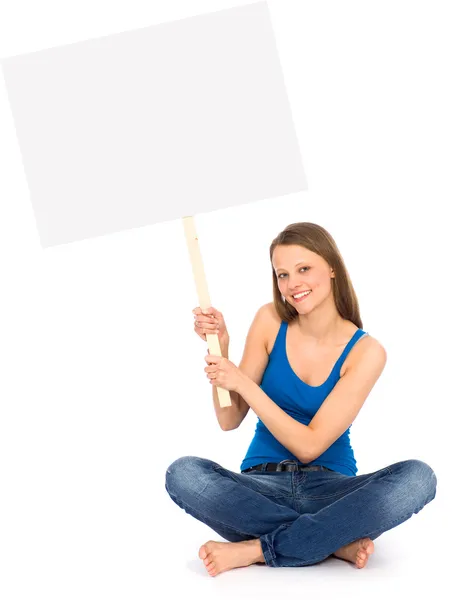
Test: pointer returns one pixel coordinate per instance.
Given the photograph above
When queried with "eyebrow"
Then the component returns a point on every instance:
(298, 263)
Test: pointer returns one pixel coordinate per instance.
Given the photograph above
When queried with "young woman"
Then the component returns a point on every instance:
(306, 371)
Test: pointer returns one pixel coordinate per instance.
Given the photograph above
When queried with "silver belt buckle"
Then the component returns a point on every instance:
(293, 465)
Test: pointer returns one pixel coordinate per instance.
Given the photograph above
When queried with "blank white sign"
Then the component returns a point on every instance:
(154, 124)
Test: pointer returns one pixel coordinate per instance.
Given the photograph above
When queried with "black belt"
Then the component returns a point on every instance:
(286, 465)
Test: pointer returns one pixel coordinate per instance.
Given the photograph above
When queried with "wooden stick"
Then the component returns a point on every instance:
(203, 296)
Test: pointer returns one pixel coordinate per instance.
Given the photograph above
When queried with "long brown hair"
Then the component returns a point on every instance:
(316, 239)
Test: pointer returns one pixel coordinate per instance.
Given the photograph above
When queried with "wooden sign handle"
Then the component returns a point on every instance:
(203, 296)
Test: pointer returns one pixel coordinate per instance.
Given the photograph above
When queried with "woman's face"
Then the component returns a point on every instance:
(300, 270)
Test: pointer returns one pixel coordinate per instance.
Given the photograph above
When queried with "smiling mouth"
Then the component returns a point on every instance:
(303, 297)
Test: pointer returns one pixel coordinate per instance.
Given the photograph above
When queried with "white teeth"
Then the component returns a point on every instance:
(302, 294)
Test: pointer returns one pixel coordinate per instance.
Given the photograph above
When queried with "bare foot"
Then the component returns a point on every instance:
(357, 552)
(223, 556)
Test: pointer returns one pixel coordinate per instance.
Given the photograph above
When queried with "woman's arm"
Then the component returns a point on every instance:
(336, 413)
(229, 417)
(342, 405)
(252, 365)
(295, 436)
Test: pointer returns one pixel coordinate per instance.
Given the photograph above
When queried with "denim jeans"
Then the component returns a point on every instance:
(300, 517)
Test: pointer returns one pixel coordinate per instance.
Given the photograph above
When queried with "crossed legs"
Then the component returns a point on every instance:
(254, 515)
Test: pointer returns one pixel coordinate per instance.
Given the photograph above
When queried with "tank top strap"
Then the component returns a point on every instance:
(279, 342)
(359, 333)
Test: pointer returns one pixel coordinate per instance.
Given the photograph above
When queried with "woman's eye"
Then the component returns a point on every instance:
(307, 268)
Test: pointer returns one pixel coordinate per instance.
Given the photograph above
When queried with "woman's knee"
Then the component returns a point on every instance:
(187, 475)
(418, 480)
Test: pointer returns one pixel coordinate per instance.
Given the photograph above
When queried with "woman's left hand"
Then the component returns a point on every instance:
(223, 373)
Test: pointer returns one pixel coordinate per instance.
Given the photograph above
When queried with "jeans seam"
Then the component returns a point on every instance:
(270, 555)
(268, 552)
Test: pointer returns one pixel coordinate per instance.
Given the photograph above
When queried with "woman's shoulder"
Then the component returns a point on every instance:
(270, 311)
(367, 349)
(364, 343)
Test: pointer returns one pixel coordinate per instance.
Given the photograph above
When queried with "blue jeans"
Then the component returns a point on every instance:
(300, 517)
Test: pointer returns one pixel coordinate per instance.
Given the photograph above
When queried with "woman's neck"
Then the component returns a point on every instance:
(324, 326)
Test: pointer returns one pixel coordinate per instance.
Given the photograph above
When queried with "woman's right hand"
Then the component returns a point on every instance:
(211, 321)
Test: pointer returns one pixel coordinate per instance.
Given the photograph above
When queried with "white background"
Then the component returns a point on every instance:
(102, 381)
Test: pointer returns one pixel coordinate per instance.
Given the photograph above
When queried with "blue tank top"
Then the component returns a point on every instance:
(301, 401)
